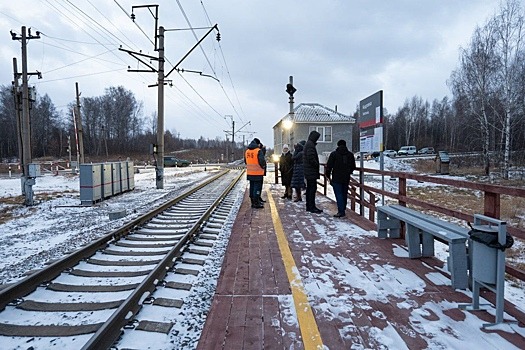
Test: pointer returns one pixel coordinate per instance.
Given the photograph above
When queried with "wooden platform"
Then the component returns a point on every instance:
(363, 292)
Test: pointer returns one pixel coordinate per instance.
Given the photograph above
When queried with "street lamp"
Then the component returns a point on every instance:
(287, 124)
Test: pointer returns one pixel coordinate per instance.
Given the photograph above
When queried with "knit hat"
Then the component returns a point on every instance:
(256, 140)
(341, 143)
(285, 146)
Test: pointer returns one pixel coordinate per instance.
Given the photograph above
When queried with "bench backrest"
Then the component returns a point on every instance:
(428, 223)
(436, 221)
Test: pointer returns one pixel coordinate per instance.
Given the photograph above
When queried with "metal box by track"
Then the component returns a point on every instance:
(124, 176)
(107, 188)
(115, 179)
(90, 183)
(131, 176)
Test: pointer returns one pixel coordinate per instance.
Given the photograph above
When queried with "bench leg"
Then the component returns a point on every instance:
(413, 241)
(458, 265)
(428, 244)
(387, 227)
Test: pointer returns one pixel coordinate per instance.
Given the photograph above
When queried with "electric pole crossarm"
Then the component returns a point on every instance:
(182, 70)
(193, 48)
(136, 56)
(242, 127)
(155, 16)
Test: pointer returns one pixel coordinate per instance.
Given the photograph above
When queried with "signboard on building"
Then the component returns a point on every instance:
(371, 123)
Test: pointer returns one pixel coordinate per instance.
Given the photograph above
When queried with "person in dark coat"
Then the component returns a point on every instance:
(298, 171)
(340, 165)
(311, 171)
(286, 170)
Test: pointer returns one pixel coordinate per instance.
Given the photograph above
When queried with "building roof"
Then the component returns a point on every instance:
(316, 113)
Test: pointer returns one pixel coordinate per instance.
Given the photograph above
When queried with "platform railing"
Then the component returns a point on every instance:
(364, 198)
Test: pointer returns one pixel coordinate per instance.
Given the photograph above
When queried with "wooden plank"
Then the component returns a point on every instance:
(214, 332)
(272, 338)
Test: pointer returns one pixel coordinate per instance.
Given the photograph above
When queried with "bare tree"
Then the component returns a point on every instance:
(509, 28)
(474, 79)
(8, 131)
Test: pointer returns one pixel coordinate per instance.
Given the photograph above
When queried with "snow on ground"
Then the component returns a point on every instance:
(57, 224)
(514, 292)
(60, 224)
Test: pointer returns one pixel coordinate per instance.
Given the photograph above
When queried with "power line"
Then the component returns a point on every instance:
(225, 63)
(81, 75)
(111, 23)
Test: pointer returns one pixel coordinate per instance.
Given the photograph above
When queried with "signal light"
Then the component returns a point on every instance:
(290, 89)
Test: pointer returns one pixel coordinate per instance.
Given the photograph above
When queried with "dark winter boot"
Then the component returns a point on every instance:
(298, 197)
(261, 200)
(257, 204)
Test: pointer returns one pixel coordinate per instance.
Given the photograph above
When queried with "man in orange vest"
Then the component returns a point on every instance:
(255, 168)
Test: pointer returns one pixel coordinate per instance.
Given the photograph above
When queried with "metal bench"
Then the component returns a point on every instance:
(421, 230)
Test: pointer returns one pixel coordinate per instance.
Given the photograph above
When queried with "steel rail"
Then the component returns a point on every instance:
(25, 286)
(110, 331)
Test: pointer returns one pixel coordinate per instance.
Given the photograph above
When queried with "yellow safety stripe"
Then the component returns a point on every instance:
(309, 330)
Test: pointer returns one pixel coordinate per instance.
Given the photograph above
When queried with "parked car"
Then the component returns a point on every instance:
(427, 150)
(390, 153)
(172, 161)
(373, 155)
(407, 151)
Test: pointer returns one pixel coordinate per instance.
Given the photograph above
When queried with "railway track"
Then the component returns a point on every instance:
(92, 298)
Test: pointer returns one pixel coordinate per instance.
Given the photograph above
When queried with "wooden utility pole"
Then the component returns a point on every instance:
(80, 136)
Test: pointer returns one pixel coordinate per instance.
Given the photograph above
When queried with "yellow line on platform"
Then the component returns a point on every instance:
(309, 331)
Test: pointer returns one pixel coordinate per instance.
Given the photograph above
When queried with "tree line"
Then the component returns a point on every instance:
(113, 124)
(487, 110)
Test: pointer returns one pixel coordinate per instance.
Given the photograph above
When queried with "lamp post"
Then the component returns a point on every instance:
(288, 123)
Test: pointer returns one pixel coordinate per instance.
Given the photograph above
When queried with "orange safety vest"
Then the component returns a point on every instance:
(252, 162)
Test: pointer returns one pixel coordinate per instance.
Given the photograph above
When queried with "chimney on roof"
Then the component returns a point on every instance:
(336, 108)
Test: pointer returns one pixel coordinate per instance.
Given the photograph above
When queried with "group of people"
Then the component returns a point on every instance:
(301, 170)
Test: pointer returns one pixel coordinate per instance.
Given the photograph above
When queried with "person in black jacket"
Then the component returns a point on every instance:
(298, 171)
(311, 171)
(286, 169)
(340, 165)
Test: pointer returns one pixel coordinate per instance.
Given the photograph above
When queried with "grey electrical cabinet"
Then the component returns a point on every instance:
(100, 181)
(123, 176)
(90, 183)
(131, 176)
(107, 188)
(115, 180)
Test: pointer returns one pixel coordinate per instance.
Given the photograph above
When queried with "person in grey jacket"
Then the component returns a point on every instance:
(311, 171)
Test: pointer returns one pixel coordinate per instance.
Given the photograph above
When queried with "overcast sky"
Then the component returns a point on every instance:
(338, 52)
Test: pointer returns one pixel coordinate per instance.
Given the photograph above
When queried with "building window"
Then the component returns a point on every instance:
(325, 131)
